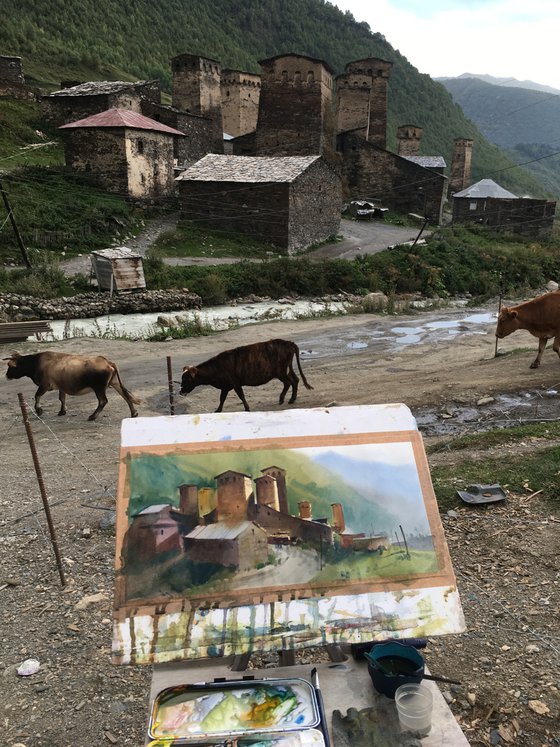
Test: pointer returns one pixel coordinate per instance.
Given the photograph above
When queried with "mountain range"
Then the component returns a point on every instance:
(132, 39)
(524, 122)
(504, 82)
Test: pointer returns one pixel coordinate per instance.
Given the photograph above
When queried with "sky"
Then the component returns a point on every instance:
(503, 38)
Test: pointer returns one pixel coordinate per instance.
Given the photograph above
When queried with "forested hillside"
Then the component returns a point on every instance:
(99, 39)
(508, 116)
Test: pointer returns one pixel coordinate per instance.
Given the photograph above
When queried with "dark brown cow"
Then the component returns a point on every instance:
(540, 317)
(248, 365)
(70, 374)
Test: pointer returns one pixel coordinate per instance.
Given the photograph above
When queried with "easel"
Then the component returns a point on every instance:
(385, 441)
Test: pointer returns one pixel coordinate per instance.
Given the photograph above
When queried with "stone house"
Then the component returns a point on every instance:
(125, 152)
(242, 545)
(489, 204)
(155, 530)
(291, 202)
(85, 99)
(405, 183)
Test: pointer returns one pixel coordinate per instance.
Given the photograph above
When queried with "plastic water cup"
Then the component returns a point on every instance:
(414, 706)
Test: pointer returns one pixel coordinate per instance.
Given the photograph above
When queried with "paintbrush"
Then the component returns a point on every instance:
(320, 706)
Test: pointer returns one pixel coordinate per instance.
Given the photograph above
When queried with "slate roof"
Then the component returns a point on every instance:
(117, 252)
(428, 162)
(486, 188)
(122, 118)
(218, 168)
(220, 531)
(96, 87)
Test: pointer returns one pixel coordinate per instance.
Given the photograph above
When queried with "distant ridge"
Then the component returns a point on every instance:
(508, 115)
(506, 82)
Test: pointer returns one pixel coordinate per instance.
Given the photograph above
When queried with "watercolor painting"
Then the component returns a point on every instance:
(237, 524)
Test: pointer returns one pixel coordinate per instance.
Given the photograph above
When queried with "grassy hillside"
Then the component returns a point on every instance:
(136, 38)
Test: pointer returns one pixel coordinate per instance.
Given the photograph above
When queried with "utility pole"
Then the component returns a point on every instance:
(8, 207)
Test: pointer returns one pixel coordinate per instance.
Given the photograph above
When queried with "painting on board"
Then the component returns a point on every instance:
(295, 538)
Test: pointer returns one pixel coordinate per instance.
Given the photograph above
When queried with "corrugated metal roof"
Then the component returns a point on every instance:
(218, 168)
(428, 162)
(95, 87)
(220, 531)
(122, 118)
(486, 188)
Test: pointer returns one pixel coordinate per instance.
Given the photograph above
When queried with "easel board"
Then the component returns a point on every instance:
(259, 531)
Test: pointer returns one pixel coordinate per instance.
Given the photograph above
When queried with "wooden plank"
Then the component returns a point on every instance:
(20, 331)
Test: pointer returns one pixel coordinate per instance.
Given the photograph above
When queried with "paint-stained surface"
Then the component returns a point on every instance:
(262, 530)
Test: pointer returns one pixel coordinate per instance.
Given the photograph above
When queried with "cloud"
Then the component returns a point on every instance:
(504, 38)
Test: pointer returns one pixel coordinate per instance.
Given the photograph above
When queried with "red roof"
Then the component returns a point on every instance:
(122, 118)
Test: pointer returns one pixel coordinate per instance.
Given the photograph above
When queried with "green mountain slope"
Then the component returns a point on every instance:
(508, 116)
(136, 39)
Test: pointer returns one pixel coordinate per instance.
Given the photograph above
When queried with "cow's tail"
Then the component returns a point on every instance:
(305, 382)
(127, 394)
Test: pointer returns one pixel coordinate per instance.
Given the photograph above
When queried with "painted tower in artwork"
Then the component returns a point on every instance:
(233, 492)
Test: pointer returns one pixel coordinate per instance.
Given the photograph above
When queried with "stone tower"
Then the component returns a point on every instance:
(196, 85)
(408, 140)
(11, 70)
(279, 475)
(240, 93)
(353, 94)
(377, 71)
(460, 176)
(295, 107)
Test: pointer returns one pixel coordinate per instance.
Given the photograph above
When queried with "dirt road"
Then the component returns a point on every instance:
(78, 698)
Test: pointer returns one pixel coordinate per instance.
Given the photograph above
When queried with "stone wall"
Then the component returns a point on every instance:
(295, 107)
(203, 134)
(373, 173)
(257, 210)
(240, 101)
(101, 152)
(17, 308)
(460, 172)
(315, 206)
(150, 163)
(522, 216)
(70, 107)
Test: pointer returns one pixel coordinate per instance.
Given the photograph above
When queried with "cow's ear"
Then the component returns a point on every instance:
(15, 355)
(190, 370)
(512, 314)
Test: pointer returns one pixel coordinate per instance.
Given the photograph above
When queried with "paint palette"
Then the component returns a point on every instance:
(240, 713)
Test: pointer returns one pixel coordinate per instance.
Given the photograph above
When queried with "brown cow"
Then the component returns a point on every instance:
(540, 317)
(248, 365)
(70, 374)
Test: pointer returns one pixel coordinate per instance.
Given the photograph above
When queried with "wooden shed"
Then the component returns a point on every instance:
(118, 269)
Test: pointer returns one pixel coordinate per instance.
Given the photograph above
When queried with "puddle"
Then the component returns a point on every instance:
(356, 345)
(507, 410)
